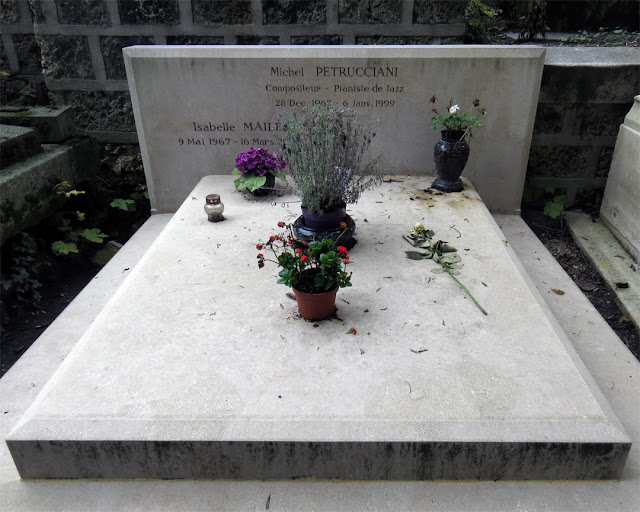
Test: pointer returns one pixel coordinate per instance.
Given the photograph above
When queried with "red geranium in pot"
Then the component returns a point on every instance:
(315, 270)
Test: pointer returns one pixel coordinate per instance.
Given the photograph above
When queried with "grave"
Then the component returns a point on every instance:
(197, 107)
(621, 202)
(200, 367)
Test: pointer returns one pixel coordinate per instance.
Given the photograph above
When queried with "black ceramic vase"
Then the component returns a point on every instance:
(450, 154)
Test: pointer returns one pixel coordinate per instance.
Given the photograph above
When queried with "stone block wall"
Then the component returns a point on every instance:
(78, 43)
(69, 52)
(580, 110)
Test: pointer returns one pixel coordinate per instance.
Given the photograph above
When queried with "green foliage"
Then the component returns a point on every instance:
(317, 267)
(93, 235)
(440, 252)
(128, 164)
(254, 165)
(72, 225)
(20, 280)
(478, 20)
(61, 247)
(324, 149)
(123, 204)
(555, 207)
(457, 119)
(604, 37)
(139, 193)
(62, 189)
(246, 181)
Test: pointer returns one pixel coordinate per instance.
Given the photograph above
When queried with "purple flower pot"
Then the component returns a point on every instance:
(324, 221)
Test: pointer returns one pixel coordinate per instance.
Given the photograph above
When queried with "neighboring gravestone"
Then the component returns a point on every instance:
(621, 203)
(196, 108)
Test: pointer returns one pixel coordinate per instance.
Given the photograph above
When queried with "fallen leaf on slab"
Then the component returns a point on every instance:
(557, 292)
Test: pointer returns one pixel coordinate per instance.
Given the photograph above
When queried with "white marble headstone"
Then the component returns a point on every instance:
(197, 107)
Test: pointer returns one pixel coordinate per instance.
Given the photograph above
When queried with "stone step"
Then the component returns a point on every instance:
(27, 187)
(53, 124)
(17, 143)
(615, 265)
(200, 367)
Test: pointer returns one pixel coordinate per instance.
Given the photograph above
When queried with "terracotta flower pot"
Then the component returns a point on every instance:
(316, 306)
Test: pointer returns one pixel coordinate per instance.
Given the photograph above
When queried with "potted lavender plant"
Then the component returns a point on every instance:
(325, 151)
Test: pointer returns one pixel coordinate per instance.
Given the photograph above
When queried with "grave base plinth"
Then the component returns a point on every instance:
(200, 366)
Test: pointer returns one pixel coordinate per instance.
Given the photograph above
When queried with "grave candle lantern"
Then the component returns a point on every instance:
(214, 208)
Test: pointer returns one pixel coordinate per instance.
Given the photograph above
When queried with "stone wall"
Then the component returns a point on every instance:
(77, 43)
(580, 110)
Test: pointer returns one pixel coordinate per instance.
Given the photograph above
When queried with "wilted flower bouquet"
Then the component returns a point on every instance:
(254, 166)
(456, 119)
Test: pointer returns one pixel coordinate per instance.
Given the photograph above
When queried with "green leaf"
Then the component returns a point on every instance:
(437, 270)
(122, 204)
(255, 182)
(250, 182)
(63, 247)
(411, 240)
(450, 259)
(235, 172)
(415, 255)
(554, 208)
(94, 235)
